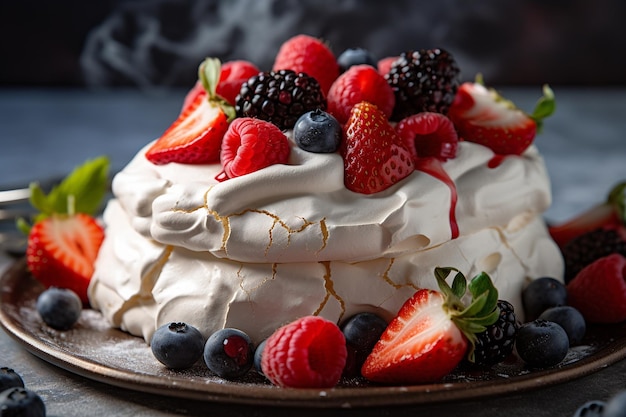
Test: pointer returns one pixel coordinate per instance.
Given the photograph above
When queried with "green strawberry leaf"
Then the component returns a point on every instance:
(480, 285)
(545, 107)
(617, 197)
(209, 75)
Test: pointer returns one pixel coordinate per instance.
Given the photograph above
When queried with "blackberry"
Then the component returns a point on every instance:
(496, 343)
(279, 97)
(423, 80)
(586, 248)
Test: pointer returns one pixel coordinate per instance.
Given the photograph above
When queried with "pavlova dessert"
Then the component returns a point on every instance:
(332, 216)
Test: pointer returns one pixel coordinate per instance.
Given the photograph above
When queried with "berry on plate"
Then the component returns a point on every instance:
(496, 343)
(423, 80)
(309, 55)
(19, 401)
(361, 331)
(569, 319)
(250, 145)
(309, 352)
(177, 345)
(65, 239)
(196, 135)
(229, 353)
(59, 308)
(374, 156)
(432, 331)
(540, 294)
(541, 343)
(483, 116)
(359, 83)
(599, 290)
(429, 134)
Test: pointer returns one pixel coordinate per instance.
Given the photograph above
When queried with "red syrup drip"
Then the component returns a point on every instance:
(434, 168)
(496, 161)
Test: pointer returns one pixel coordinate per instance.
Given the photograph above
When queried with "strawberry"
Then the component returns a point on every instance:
(196, 135)
(374, 156)
(232, 75)
(481, 115)
(65, 239)
(359, 83)
(62, 250)
(599, 290)
(428, 134)
(307, 353)
(250, 145)
(610, 214)
(307, 54)
(432, 331)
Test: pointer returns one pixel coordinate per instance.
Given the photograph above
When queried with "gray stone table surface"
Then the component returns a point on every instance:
(45, 133)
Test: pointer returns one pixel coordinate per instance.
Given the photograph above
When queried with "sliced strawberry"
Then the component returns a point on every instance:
(374, 156)
(307, 353)
(310, 55)
(62, 250)
(194, 138)
(429, 134)
(359, 83)
(599, 290)
(250, 145)
(433, 330)
(192, 95)
(610, 214)
(482, 116)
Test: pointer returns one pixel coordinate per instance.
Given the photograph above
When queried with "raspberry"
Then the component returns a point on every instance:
(307, 353)
(359, 83)
(424, 80)
(429, 134)
(384, 65)
(250, 145)
(599, 290)
(279, 97)
(233, 74)
(310, 55)
(586, 248)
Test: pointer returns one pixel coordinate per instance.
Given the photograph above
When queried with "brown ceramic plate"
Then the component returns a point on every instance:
(95, 351)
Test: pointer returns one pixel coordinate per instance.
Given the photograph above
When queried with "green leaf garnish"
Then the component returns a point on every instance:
(617, 198)
(545, 107)
(82, 191)
(209, 75)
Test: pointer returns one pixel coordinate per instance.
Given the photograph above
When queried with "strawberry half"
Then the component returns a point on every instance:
(599, 290)
(196, 135)
(374, 156)
(483, 116)
(432, 331)
(62, 250)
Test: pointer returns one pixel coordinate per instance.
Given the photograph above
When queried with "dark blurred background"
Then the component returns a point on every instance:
(147, 43)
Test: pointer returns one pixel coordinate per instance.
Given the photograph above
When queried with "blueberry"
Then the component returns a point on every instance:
(229, 353)
(590, 409)
(541, 294)
(569, 319)
(317, 131)
(361, 331)
(177, 345)
(59, 308)
(541, 343)
(616, 406)
(22, 402)
(258, 355)
(9, 379)
(355, 56)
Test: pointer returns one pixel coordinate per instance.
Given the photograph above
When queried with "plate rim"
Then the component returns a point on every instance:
(269, 395)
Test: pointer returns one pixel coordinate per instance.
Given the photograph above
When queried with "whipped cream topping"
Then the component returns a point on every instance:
(257, 251)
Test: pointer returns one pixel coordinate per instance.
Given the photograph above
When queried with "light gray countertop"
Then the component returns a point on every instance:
(45, 133)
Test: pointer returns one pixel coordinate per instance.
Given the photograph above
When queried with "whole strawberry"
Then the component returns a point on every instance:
(374, 156)
(433, 331)
(359, 83)
(65, 239)
(599, 290)
(310, 55)
(307, 353)
(483, 116)
(232, 75)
